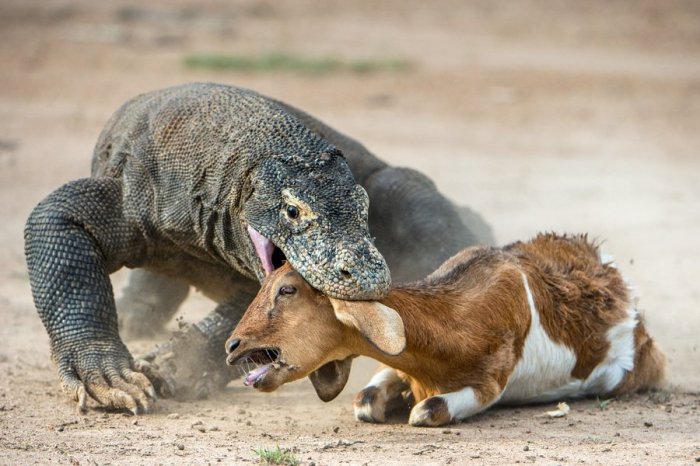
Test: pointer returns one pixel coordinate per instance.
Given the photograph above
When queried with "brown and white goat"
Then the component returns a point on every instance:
(531, 322)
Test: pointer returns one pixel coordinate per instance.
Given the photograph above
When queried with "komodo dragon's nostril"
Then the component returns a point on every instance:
(345, 274)
(232, 345)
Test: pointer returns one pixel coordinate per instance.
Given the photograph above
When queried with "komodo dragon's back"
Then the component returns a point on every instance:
(205, 120)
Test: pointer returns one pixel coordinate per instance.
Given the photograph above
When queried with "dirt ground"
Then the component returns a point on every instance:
(552, 115)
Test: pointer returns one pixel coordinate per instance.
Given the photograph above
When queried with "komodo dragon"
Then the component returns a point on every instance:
(214, 186)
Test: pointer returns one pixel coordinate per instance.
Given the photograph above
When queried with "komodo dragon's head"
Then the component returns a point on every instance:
(309, 211)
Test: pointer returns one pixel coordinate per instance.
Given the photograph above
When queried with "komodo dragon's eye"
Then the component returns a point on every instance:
(292, 212)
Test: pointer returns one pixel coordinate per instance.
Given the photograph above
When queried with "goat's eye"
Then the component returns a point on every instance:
(287, 290)
(292, 212)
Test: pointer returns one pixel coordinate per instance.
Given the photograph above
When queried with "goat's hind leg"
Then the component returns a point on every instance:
(443, 409)
(373, 402)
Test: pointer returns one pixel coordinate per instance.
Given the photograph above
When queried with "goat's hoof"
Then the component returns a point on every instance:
(431, 412)
(369, 405)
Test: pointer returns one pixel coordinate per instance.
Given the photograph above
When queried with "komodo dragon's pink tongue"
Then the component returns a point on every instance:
(264, 247)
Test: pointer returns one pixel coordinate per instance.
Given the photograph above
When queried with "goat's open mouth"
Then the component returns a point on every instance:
(256, 364)
(271, 257)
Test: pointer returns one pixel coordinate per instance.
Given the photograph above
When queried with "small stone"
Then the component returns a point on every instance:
(526, 448)
(648, 424)
(248, 423)
(475, 455)
(180, 446)
(61, 428)
(336, 429)
(174, 416)
(214, 429)
(447, 431)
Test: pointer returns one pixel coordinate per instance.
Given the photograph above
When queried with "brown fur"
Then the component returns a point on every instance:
(649, 363)
(578, 298)
(466, 324)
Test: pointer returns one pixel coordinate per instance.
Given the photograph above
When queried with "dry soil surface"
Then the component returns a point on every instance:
(552, 115)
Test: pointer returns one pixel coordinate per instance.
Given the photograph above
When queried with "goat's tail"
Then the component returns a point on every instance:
(649, 364)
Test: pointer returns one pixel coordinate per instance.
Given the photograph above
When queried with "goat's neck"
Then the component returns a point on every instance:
(435, 334)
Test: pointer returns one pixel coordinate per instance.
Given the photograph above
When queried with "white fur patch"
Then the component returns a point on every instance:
(620, 358)
(384, 377)
(460, 404)
(464, 403)
(544, 371)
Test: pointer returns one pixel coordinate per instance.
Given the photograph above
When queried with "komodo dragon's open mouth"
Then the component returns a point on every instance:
(270, 255)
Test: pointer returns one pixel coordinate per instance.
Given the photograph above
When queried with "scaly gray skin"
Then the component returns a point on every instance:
(179, 176)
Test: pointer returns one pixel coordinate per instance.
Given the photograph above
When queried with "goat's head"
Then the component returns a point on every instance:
(291, 330)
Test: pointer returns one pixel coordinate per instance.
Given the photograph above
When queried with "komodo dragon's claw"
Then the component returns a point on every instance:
(111, 377)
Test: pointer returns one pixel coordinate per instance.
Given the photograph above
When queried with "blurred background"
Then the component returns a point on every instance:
(541, 115)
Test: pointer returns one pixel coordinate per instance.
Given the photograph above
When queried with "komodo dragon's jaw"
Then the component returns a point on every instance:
(348, 271)
(310, 212)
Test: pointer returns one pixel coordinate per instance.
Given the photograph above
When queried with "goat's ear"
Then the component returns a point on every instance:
(380, 324)
(330, 379)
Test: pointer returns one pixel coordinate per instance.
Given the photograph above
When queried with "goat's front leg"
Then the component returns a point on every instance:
(443, 409)
(370, 404)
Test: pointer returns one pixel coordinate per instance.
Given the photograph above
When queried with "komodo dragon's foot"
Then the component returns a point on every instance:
(193, 362)
(105, 371)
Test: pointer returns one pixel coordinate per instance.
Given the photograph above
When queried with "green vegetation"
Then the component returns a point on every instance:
(603, 404)
(276, 456)
(276, 61)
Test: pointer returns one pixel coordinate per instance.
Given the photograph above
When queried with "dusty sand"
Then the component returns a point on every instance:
(566, 116)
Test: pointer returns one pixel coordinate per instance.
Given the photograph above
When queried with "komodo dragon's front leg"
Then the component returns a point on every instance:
(74, 239)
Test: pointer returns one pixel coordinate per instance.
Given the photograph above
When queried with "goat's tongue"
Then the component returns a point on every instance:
(256, 375)
(264, 248)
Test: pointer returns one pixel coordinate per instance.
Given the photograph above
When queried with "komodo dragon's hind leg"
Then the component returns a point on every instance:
(148, 302)
(477, 225)
(416, 227)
